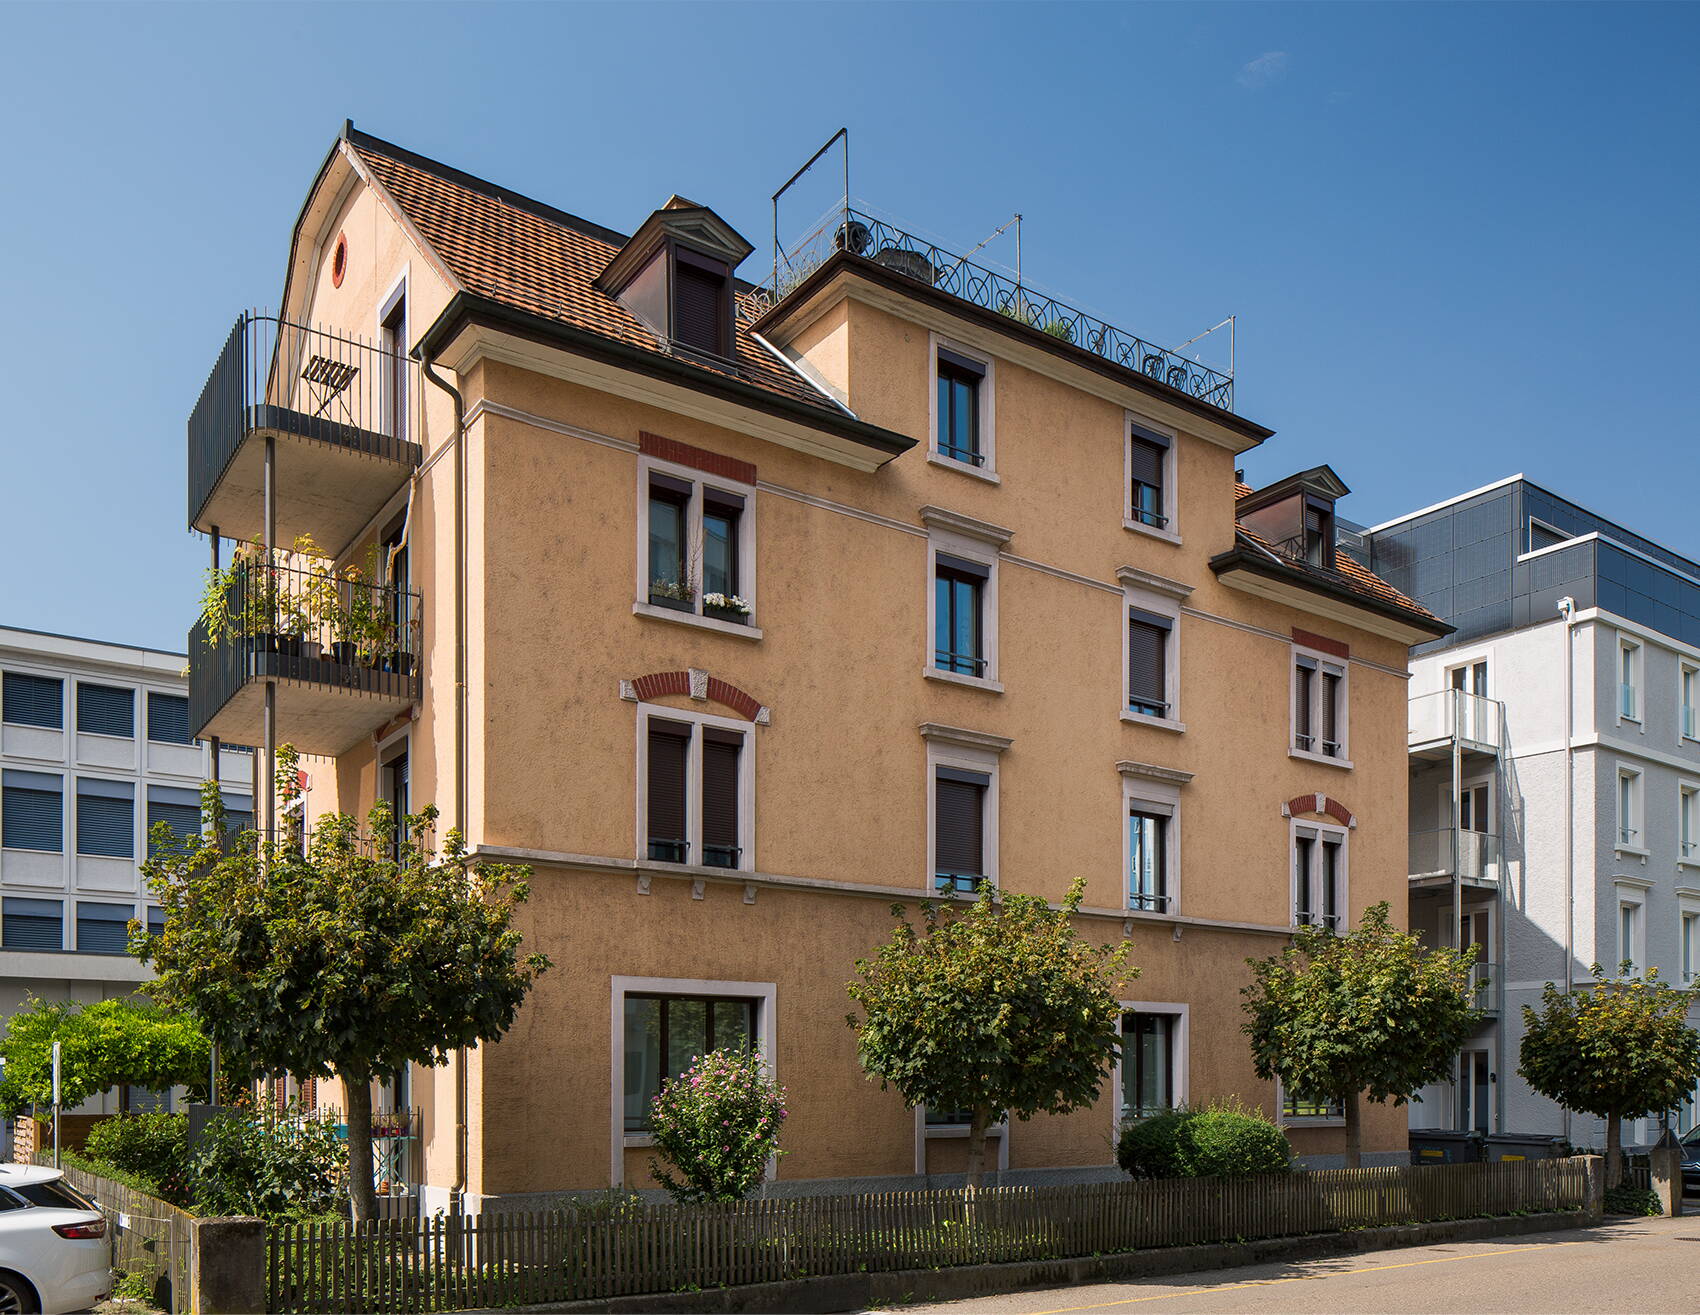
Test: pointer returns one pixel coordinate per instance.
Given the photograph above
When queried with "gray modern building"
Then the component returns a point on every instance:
(1555, 767)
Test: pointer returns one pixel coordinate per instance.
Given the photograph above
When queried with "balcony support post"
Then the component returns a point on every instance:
(268, 759)
(213, 742)
(1457, 863)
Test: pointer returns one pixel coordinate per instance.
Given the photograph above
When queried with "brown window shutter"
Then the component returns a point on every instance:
(1145, 462)
(1330, 714)
(720, 751)
(959, 823)
(310, 1094)
(669, 743)
(1147, 668)
(699, 309)
(1305, 675)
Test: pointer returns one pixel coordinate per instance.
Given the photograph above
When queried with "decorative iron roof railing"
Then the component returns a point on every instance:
(861, 234)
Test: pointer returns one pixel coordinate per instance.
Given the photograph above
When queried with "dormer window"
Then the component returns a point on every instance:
(1295, 516)
(675, 275)
(1319, 533)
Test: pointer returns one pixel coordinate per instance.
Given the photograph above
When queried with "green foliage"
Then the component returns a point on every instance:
(1224, 1139)
(716, 1125)
(249, 1164)
(101, 1045)
(342, 960)
(1371, 1012)
(1060, 329)
(153, 1148)
(1626, 1200)
(1001, 1006)
(1618, 1048)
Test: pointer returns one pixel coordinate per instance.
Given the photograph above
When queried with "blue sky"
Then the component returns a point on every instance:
(1460, 240)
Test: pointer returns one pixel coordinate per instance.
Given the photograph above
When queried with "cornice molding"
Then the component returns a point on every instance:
(1132, 576)
(937, 733)
(1151, 772)
(954, 522)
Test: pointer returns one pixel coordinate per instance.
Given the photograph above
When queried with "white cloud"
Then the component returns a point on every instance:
(1258, 73)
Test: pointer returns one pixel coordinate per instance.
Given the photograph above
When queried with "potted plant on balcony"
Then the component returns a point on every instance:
(726, 607)
(677, 594)
(319, 603)
(346, 621)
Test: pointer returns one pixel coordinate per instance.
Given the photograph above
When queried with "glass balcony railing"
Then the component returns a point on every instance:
(1453, 714)
(1454, 851)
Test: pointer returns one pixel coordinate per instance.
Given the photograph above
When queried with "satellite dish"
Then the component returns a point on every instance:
(853, 236)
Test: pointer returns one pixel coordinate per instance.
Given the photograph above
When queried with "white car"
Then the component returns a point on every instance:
(54, 1252)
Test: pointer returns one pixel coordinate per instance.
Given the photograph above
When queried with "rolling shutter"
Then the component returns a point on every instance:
(959, 827)
(103, 928)
(1330, 714)
(720, 751)
(1145, 462)
(34, 812)
(178, 809)
(699, 310)
(106, 818)
(669, 744)
(32, 924)
(106, 710)
(1147, 661)
(33, 701)
(168, 719)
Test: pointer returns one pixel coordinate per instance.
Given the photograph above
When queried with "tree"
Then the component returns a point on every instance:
(101, 1045)
(999, 1007)
(367, 952)
(1371, 1013)
(1617, 1048)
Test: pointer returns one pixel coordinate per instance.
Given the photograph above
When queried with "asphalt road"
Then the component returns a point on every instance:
(1634, 1267)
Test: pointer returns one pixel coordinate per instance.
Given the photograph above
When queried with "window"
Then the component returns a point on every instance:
(1690, 701)
(1147, 465)
(960, 382)
(1690, 947)
(1148, 663)
(1296, 1106)
(398, 797)
(156, 922)
(959, 594)
(106, 710)
(1151, 1051)
(665, 1033)
(1319, 876)
(1688, 823)
(31, 924)
(699, 549)
(1629, 679)
(106, 818)
(33, 701)
(1319, 706)
(1148, 860)
(1628, 809)
(103, 928)
(1542, 535)
(1474, 1105)
(32, 813)
(143, 1100)
(959, 829)
(704, 762)
(392, 334)
(1629, 933)
(702, 307)
(168, 719)
(178, 809)
(1319, 533)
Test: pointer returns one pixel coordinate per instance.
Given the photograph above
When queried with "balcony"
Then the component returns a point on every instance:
(340, 412)
(862, 234)
(1437, 856)
(1484, 978)
(1435, 721)
(343, 653)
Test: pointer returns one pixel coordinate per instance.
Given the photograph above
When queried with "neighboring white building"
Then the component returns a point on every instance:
(94, 749)
(1555, 768)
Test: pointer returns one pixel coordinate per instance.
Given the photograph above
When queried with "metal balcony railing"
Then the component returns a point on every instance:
(275, 376)
(1450, 714)
(306, 624)
(1455, 851)
(862, 234)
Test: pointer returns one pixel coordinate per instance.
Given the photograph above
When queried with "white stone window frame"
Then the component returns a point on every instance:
(699, 480)
(1687, 672)
(1155, 790)
(1286, 1120)
(926, 1132)
(1630, 665)
(1321, 832)
(1631, 893)
(1629, 810)
(1180, 1058)
(693, 786)
(1688, 810)
(1144, 592)
(764, 993)
(981, 543)
(986, 405)
(1171, 478)
(1325, 663)
(1688, 906)
(966, 751)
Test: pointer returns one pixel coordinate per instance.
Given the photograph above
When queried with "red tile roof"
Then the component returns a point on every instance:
(543, 261)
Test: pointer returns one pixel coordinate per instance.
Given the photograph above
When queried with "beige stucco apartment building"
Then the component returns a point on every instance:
(739, 620)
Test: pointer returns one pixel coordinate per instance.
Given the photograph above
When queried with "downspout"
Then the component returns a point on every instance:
(457, 1204)
(1567, 609)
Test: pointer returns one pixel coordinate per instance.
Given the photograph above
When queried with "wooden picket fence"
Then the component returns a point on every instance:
(620, 1249)
(148, 1235)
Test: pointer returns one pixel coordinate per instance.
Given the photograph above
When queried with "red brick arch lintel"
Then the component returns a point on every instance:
(660, 683)
(1327, 806)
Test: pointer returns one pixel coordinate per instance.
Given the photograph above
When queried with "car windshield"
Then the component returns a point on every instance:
(57, 1194)
(1692, 1136)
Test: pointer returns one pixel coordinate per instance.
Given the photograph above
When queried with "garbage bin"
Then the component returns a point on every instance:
(1445, 1146)
(1522, 1146)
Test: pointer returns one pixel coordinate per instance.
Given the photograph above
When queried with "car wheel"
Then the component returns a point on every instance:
(16, 1296)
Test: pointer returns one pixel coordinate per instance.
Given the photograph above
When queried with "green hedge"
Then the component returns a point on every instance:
(1223, 1140)
(152, 1150)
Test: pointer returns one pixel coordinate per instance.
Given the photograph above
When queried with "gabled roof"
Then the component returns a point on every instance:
(536, 259)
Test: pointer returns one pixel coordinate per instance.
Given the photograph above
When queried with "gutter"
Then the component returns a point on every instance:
(471, 308)
(1239, 559)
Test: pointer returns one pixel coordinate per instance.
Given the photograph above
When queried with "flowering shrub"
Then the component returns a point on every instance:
(716, 1125)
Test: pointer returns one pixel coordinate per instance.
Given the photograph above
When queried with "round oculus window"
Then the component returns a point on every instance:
(339, 260)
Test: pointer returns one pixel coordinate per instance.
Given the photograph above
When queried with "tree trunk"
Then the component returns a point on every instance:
(1614, 1151)
(1354, 1134)
(981, 1120)
(358, 1094)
